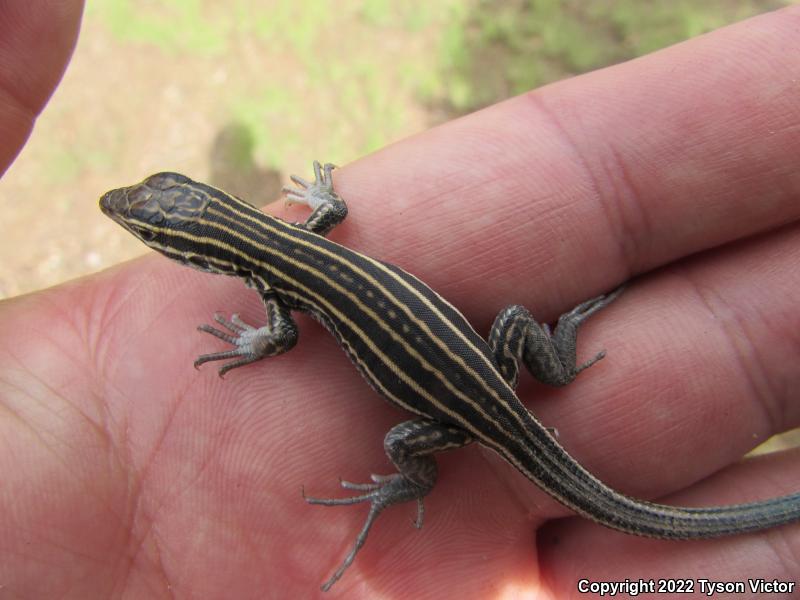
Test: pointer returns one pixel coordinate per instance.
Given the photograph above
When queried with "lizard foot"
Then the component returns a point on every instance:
(250, 343)
(312, 194)
(383, 492)
(328, 209)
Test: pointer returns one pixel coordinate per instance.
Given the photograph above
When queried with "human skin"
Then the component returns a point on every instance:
(128, 474)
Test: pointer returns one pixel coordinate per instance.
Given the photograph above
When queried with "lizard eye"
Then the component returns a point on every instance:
(143, 233)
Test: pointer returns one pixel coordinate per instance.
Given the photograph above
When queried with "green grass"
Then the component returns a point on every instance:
(487, 50)
(178, 25)
(504, 48)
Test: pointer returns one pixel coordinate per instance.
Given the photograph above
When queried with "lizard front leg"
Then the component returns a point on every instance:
(253, 343)
(409, 446)
(327, 208)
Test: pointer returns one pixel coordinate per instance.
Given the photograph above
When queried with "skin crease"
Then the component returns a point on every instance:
(128, 474)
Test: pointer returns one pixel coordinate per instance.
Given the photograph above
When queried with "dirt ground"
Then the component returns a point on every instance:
(128, 108)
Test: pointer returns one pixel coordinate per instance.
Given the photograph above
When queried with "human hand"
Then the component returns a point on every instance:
(129, 473)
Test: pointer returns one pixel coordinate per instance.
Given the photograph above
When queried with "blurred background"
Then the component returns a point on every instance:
(242, 93)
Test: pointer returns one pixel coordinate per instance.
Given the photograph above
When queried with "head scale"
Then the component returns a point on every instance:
(166, 211)
(161, 200)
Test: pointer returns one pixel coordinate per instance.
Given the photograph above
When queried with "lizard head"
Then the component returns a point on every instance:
(169, 213)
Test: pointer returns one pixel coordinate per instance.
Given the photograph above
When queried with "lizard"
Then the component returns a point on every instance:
(411, 345)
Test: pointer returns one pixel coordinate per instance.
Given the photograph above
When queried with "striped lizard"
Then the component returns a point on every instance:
(412, 346)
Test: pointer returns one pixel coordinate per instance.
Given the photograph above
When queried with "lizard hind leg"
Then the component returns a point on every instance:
(409, 445)
(549, 356)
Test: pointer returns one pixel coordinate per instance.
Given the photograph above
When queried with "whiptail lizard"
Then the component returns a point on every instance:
(412, 347)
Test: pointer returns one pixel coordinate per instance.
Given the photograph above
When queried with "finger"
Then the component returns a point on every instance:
(575, 186)
(36, 41)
